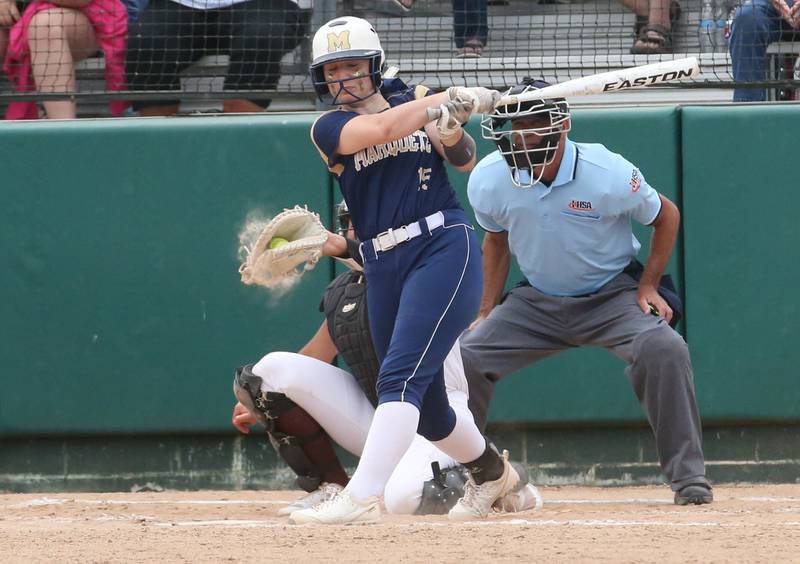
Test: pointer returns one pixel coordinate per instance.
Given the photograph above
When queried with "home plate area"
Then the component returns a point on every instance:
(747, 523)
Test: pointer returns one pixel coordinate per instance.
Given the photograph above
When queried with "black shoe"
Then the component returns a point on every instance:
(696, 494)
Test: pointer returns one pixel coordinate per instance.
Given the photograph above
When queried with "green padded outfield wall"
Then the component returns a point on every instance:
(589, 385)
(742, 235)
(122, 310)
(124, 299)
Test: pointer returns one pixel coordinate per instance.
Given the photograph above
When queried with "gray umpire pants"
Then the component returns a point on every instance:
(529, 326)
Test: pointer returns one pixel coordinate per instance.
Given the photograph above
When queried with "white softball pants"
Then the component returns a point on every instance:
(332, 397)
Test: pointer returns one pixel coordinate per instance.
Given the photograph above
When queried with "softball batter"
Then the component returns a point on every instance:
(421, 260)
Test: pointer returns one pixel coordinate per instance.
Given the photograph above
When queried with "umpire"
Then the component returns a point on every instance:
(564, 211)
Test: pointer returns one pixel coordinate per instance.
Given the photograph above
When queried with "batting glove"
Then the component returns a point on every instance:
(483, 99)
(454, 115)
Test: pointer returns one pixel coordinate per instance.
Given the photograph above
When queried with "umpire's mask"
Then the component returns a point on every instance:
(342, 218)
(527, 133)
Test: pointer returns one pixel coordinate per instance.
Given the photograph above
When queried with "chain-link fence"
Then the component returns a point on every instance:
(243, 55)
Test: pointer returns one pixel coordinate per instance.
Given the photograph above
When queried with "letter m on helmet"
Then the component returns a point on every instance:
(338, 41)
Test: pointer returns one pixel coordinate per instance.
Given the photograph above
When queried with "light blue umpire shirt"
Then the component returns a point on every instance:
(574, 236)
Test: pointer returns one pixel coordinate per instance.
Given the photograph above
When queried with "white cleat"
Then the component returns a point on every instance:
(341, 509)
(526, 499)
(323, 493)
(478, 499)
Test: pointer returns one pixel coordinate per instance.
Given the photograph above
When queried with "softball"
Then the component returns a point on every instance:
(276, 242)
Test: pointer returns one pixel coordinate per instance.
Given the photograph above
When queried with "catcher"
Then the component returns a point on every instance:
(304, 401)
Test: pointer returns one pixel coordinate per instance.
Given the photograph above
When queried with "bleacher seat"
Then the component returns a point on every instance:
(555, 41)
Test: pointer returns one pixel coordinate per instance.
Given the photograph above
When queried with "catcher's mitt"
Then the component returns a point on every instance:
(270, 267)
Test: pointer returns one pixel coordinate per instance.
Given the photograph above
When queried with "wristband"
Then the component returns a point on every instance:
(462, 152)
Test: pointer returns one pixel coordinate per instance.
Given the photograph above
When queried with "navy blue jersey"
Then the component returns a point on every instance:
(390, 184)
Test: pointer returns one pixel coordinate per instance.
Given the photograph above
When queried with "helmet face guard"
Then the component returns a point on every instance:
(345, 39)
(323, 90)
(527, 134)
(342, 218)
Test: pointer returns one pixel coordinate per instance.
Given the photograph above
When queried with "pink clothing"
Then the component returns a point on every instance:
(110, 22)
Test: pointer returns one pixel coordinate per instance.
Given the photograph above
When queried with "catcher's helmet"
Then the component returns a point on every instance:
(345, 38)
(342, 218)
(527, 133)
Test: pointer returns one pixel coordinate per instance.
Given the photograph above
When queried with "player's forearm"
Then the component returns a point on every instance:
(665, 231)
(335, 246)
(398, 122)
(496, 264)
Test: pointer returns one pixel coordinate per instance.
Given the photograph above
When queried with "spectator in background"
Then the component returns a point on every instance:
(654, 21)
(9, 14)
(404, 5)
(134, 8)
(756, 24)
(171, 35)
(42, 46)
(470, 25)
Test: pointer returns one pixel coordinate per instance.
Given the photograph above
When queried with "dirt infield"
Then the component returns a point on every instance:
(635, 524)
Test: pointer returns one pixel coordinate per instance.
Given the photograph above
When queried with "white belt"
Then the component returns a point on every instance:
(390, 238)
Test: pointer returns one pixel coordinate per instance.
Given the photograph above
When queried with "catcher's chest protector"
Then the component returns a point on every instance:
(345, 306)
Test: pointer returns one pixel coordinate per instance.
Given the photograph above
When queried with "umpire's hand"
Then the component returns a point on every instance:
(477, 321)
(648, 296)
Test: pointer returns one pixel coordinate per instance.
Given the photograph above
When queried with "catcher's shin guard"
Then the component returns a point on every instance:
(295, 435)
(442, 492)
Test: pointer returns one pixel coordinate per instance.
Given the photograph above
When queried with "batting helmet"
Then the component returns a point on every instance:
(345, 38)
(527, 133)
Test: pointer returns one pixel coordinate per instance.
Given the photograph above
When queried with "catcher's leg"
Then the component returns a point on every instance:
(296, 436)
(443, 490)
(329, 394)
(413, 487)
